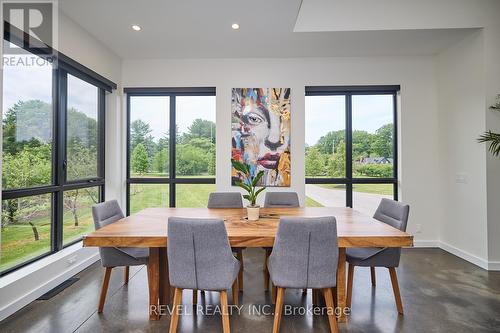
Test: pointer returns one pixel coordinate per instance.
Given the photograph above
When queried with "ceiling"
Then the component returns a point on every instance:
(202, 29)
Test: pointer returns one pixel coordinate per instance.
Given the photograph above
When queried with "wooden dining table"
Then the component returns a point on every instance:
(148, 228)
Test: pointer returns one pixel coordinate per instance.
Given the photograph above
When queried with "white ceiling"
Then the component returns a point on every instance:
(202, 29)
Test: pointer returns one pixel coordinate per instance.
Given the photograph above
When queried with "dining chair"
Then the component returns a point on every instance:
(200, 258)
(305, 255)
(106, 213)
(228, 200)
(394, 214)
(277, 200)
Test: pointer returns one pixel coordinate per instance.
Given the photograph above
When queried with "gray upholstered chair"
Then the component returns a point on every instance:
(106, 213)
(305, 255)
(394, 214)
(277, 200)
(200, 258)
(281, 199)
(228, 200)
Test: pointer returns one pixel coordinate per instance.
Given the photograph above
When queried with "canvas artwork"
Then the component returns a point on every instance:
(261, 133)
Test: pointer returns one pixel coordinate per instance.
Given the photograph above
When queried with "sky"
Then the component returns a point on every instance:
(154, 110)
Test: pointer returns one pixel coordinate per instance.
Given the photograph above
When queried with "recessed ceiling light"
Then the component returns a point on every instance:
(136, 27)
(235, 26)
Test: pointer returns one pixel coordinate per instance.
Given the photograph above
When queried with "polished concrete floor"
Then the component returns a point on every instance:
(441, 293)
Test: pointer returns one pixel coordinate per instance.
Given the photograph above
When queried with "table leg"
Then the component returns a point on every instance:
(153, 282)
(164, 283)
(341, 289)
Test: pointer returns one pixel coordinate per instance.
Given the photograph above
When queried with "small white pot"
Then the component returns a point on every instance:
(253, 213)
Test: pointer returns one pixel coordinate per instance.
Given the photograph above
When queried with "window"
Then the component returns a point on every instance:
(351, 155)
(53, 156)
(166, 170)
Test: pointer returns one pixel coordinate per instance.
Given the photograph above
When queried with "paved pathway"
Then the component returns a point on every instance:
(366, 203)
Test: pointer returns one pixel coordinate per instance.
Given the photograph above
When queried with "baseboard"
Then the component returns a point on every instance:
(425, 243)
(466, 256)
(494, 266)
(32, 295)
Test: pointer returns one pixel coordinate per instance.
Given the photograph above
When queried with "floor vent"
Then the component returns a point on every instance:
(51, 293)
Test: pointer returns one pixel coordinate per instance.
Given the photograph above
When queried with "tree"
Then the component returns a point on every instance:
(328, 143)
(201, 128)
(160, 161)
(336, 163)
(139, 159)
(191, 160)
(361, 144)
(140, 133)
(382, 141)
(315, 163)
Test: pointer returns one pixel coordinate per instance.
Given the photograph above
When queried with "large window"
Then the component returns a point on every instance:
(351, 155)
(52, 157)
(166, 170)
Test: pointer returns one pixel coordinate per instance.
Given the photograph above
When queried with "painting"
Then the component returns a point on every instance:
(261, 133)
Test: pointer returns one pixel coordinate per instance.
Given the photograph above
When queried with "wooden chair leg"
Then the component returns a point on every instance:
(174, 319)
(225, 312)
(334, 291)
(104, 289)
(273, 293)
(314, 297)
(278, 309)
(195, 296)
(266, 270)
(126, 275)
(350, 277)
(372, 273)
(327, 294)
(395, 289)
(235, 292)
(304, 291)
(240, 273)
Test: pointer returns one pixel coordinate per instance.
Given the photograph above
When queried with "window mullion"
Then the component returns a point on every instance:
(348, 150)
(172, 142)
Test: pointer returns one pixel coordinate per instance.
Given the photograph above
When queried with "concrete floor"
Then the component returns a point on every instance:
(441, 293)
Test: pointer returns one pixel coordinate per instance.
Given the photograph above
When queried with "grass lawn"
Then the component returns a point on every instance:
(384, 189)
(312, 203)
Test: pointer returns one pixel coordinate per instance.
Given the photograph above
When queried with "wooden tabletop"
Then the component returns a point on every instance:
(148, 228)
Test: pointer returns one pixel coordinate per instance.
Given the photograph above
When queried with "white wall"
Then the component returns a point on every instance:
(462, 107)
(26, 284)
(418, 118)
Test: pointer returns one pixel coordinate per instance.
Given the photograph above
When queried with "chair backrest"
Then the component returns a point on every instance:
(305, 253)
(199, 254)
(105, 213)
(281, 199)
(393, 213)
(225, 200)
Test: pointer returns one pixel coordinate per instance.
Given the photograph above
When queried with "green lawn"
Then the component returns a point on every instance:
(312, 203)
(384, 189)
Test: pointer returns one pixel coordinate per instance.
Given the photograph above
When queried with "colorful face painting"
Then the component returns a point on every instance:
(261, 133)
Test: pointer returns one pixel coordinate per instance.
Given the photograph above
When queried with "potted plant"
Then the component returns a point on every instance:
(492, 138)
(249, 184)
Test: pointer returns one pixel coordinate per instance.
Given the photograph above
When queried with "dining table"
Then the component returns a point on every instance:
(148, 229)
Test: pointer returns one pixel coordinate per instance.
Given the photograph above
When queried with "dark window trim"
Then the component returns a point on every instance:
(18, 37)
(171, 179)
(348, 92)
(59, 184)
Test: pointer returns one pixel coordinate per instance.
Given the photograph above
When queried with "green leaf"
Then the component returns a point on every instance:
(240, 167)
(258, 191)
(257, 178)
(494, 142)
(243, 186)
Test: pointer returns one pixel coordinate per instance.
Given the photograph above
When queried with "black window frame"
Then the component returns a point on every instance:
(172, 179)
(63, 65)
(349, 92)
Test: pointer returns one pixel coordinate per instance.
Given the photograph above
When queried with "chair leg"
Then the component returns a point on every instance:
(395, 289)
(225, 312)
(350, 277)
(327, 294)
(174, 319)
(304, 291)
(278, 310)
(372, 272)
(104, 289)
(266, 270)
(195, 296)
(126, 275)
(240, 273)
(235, 292)
(273, 293)
(314, 297)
